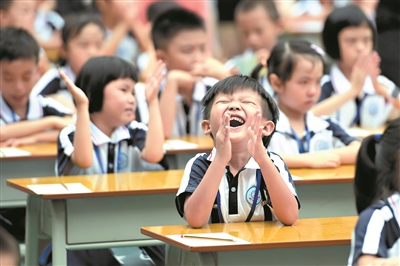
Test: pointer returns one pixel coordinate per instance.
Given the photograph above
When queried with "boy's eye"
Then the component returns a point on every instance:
(187, 50)
(249, 102)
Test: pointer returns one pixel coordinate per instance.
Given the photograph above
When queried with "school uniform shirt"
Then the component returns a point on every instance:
(120, 153)
(188, 118)
(128, 48)
(236, 192)
(51, 83)
(368, 110)
(323, 134)
(38, 107)
(377, 231)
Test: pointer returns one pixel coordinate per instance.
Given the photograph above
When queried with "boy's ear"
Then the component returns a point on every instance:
(269, 127)
(205, 125)
(275, 82)
(3, 18)
(160, 55)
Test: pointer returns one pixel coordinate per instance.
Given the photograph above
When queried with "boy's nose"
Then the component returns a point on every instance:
(234, 106)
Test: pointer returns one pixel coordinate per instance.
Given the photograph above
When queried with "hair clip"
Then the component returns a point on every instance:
(317, 49)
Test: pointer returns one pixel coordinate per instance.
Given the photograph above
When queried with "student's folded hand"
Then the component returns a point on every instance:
(14, 142)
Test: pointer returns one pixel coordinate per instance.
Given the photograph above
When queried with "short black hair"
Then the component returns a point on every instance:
(269, 6)
(97, 72)
(235, 83)
(339, 19)
(171, 22)
(5, 4)
(17, 44)
(156, 8)
(285, 54)
(75, 22)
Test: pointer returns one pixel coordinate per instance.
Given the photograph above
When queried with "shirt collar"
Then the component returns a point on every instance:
(99, 138)
(251, 164)
(314, 123)
(35, 110)
(342, 84)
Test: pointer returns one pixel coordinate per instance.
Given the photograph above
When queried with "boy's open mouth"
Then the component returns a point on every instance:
(236, 122)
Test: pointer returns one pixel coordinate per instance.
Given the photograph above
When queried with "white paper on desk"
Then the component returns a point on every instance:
(177, 144)
(13, 152)
(197, 242)
(358, 132)
(295, 177)
(51, 189)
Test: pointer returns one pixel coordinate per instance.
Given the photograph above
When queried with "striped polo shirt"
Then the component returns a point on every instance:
(377, 231)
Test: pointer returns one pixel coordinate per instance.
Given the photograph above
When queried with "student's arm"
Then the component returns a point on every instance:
(153, 150)
(83, 147)
(376, 261)
(198, 206)
(46, 136)
(284, 202)
(176, 81)
(323, 159)
(348, 154)
(30, 127)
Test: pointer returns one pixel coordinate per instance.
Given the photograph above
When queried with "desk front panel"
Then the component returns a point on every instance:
(118, 218)
(11, 169)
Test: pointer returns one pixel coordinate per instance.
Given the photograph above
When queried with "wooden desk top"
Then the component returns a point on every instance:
(160, 181)
(261, 235)
(49, 150)
(38, 151)
(342, 174)
(108, 185)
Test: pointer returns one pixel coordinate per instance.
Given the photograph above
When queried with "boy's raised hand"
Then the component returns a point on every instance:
(255, 145)
(153, 81)
(79, 96)
(222, 141)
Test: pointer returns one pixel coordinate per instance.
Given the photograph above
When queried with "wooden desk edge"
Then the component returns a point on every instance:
(272, 245)
(94, 194)
(317, 181)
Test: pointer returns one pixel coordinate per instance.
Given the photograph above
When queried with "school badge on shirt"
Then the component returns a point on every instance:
(250, 195)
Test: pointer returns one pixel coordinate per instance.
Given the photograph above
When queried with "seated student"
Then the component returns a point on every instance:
(25, 118)
(106, 138)
(376, 238)
(295, 69)
(9, 249)
(179, 38)
(259, 25)
(220, 187)
(83, 37)
(354, 93)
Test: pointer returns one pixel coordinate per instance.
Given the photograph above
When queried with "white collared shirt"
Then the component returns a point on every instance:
(38, 107)
(374, 110)
(240, 195)
(324, 134)
(126, 142)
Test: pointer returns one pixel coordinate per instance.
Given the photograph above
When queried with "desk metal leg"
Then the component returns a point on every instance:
(32, 230)
(59, 232)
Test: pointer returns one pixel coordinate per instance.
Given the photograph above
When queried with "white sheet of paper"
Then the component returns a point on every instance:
(295, 177)
(51, 189)
(177, 144)
(13, 152)
(198, 242)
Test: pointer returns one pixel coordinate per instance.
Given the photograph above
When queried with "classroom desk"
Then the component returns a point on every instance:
(41, 163)
(110, 216)
(151, 195)
(317, 241)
